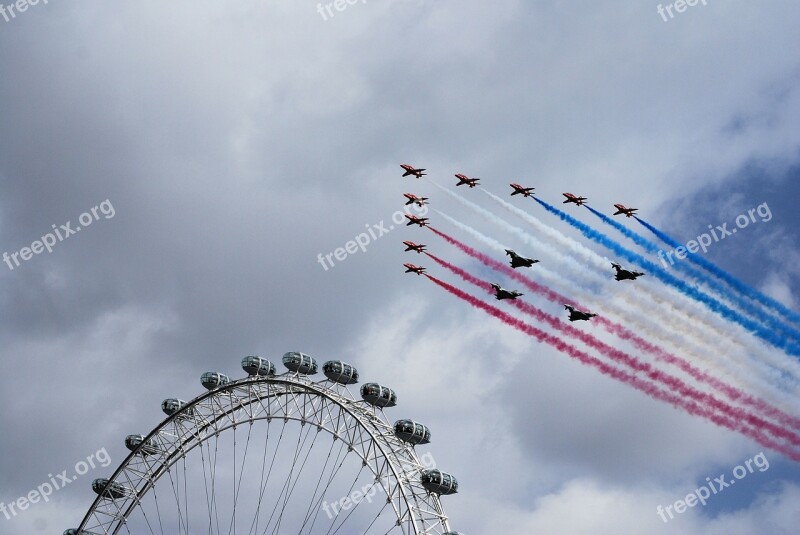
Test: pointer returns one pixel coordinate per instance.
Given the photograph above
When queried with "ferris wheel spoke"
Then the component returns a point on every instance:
(334, 472)
(307, 516)
(349, 493)
(265, 482)
(286, 485)
(241, 474)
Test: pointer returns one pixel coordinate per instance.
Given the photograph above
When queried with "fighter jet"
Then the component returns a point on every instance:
(520, 261)
(411, 246)
(410, 170)
(414, 220)
(464, 179)
(525, 192)
(624, 274)
(413, 199)
(621, 209)
(577, 315)
(500, 293)
(411, 268)
(574, 199)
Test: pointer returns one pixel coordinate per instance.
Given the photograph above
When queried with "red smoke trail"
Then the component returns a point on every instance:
(638, 342)
(648, 388)
(635, 364)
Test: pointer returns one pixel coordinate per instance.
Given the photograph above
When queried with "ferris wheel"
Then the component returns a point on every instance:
(275, 454)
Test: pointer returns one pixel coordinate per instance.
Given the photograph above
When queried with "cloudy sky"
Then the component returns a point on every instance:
(237, 141)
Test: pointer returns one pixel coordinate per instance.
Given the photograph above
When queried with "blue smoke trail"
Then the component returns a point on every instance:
(724, 275)
(754, 311)
(710, 302)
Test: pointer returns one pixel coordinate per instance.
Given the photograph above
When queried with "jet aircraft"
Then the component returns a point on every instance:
(519, 190)
(414, 220)
(574, 199)
(465, 180)
(578, 315)
(411, 268)
(410, 170)
(520, 261)
(500, 293)
(413, 199)
(624, 274)
(621, 209)
(411, 246)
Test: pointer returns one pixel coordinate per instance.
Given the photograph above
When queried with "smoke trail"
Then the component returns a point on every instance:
(742, 302)
(627, 378)
(624, 358)
(724, 275)
(711, 330)
(621, 332)
(710, 323)
(709, 302)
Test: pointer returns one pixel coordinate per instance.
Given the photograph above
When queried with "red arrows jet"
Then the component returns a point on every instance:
(621, 209)
(411, 170)
(411, 246)
(413, 199)
(464, 179)
(525, 192)
(411, 268)
(574, 199)
(414, 220)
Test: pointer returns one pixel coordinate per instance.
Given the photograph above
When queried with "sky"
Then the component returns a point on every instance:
(225, 146)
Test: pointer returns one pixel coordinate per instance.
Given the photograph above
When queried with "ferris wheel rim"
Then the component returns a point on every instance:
(372, 422)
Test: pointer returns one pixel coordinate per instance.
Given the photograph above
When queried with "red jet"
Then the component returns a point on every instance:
(621, 209)
(414, 220)
(410, 170)
(464, 179)
(413, 199)
(411, 246)
(574, 199)
(411, 268)
(525, 192)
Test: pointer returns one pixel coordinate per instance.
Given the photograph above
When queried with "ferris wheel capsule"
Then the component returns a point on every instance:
(439, 482)
(109, 489)
(412, 432)
(300, 363)
(256, 366)
(212, 380)
(378, 395)
(132, 442)
(339, 372)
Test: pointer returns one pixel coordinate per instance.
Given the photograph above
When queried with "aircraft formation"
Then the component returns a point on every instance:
(690, 334)
(517, 260)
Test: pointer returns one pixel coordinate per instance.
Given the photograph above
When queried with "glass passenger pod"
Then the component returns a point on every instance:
(438, 482)
(71, 531)
(378, 395)
(339, 372)
(212, 380)
(257, 366)
(134, 441)
(108, 489)
(172, 405)
(412, 432)
(300, 363)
